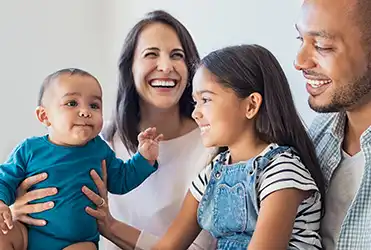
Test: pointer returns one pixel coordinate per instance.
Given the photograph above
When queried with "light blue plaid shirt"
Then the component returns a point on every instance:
(327, 132)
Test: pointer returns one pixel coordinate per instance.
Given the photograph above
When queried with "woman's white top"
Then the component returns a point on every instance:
(153, 205)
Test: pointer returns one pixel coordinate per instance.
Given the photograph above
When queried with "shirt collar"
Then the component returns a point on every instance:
(338, 129)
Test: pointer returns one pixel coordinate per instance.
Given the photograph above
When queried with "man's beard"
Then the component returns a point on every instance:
(348, 95)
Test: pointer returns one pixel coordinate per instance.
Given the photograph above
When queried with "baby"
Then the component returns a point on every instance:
(70, 106)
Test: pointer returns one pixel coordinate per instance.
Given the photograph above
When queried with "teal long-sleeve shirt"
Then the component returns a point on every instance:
(68, 170)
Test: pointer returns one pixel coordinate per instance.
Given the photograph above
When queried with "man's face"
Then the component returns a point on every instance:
(332, 55)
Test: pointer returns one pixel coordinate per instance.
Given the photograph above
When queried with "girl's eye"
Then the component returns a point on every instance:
(205, 100)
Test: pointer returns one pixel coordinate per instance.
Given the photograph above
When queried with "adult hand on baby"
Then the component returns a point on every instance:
(6, 221)
(148, 144)
(21, 208)
(102, 213)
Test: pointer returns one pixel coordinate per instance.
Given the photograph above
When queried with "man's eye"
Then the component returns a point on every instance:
(323, 49)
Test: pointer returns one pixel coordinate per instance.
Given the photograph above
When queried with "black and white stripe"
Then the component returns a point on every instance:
(284, 171)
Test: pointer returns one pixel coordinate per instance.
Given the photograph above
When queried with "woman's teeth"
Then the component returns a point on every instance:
(318, 83)
(162, 84)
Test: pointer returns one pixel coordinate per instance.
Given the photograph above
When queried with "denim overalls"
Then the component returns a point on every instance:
(229, 208)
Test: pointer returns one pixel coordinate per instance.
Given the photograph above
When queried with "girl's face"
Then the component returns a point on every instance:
(159, 69)
(220, 114)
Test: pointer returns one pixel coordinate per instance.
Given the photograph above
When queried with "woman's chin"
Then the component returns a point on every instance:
(165, 104)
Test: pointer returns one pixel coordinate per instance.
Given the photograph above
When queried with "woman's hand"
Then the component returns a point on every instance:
(21, 209)
(102, 213)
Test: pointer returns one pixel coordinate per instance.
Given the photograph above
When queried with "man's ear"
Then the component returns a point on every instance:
(253, 104)
(42, 116)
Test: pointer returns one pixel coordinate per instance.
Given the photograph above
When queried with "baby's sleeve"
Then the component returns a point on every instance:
(12, 173)
(124, 176)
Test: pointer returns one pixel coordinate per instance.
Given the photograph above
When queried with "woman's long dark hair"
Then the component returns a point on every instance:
(251, 68)
(126, 115)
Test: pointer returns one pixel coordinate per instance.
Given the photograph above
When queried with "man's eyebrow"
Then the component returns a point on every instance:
(320, 33)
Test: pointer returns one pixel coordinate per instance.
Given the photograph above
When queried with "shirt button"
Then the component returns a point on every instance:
(332, 161)
(217, 175)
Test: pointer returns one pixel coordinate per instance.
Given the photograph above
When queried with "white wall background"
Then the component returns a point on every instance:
(37, 38)
(41, 36)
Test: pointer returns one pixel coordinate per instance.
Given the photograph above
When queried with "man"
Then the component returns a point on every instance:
(335, 59)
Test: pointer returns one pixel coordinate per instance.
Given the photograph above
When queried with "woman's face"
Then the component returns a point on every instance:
(159, 68)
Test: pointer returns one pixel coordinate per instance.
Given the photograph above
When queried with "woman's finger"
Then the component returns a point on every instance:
(31, 221)
(96, 199)
(29, 182)
(99, 183)
(95, 213)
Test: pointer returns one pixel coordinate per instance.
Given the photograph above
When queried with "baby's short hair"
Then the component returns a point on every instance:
(50, 78)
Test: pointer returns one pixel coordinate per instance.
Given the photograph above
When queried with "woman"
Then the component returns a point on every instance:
(155, 73)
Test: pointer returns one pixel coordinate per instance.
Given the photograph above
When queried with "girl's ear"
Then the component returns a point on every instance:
(253, 104)
(42, 116)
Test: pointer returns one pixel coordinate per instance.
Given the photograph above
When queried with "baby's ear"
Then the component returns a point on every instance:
(42, 116)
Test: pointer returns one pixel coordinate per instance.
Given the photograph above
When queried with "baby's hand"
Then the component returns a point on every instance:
(6, 222)
(148, 144)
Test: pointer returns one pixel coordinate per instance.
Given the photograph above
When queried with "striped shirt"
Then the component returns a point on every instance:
(284, 171)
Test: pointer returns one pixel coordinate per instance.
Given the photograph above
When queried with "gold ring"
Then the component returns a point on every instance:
(102, 203)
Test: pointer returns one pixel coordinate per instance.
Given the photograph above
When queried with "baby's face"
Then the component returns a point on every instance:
(73, 107)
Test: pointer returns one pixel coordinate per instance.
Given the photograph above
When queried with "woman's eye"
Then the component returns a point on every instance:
(177, 56)
(150, 54)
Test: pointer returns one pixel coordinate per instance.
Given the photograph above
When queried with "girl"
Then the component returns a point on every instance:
(264, 189)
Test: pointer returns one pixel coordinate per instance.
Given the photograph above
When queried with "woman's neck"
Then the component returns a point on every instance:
(167, 122)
